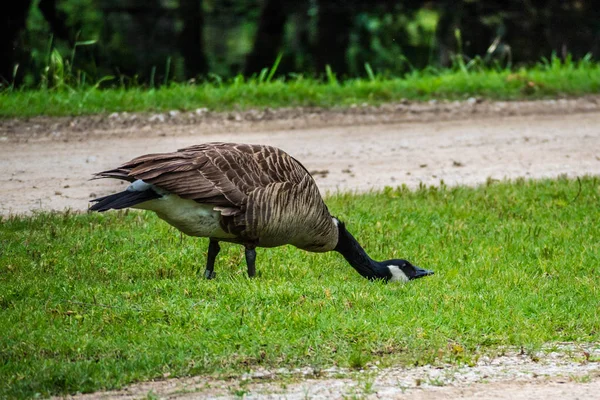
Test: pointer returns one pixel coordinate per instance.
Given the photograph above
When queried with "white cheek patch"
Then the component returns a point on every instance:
(335, 221)
(397, 274)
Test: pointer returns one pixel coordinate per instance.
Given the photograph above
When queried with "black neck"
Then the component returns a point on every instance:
(356, 256)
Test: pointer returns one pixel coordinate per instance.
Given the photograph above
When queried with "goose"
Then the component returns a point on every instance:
(252, 195)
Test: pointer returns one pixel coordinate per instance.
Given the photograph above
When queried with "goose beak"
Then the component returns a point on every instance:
(420, 272)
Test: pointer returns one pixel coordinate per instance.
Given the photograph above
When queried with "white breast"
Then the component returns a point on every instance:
(189, 216)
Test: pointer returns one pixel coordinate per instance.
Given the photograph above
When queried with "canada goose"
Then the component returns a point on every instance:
(253, 195)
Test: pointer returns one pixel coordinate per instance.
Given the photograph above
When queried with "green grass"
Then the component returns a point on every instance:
(547, 79)
(101, 300)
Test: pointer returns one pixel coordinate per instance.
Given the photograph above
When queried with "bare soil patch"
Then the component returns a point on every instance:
(564, 374)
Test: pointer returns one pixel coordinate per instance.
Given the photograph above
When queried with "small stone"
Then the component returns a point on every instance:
(234, 117)
(157, 118)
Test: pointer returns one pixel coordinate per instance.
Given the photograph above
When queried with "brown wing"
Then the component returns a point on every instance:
(222, 174)
(289, 213)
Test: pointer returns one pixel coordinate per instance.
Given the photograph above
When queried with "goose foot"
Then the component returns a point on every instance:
(209, 274)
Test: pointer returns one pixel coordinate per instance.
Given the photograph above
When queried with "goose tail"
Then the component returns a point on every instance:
(123, 199)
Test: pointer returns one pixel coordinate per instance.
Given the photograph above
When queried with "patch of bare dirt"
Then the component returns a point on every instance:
(46, 163)
(565, 373)
(288, 118)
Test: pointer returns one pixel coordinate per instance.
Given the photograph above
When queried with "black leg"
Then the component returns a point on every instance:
(250, 260)
(213, 250)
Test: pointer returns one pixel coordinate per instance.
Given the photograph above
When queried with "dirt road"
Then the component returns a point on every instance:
(563, 374)
(46, 164)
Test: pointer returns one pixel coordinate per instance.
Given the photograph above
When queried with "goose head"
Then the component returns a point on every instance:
(402, 270)
(396, 270)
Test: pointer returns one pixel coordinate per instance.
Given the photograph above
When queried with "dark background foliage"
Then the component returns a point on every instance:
(155, 41)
